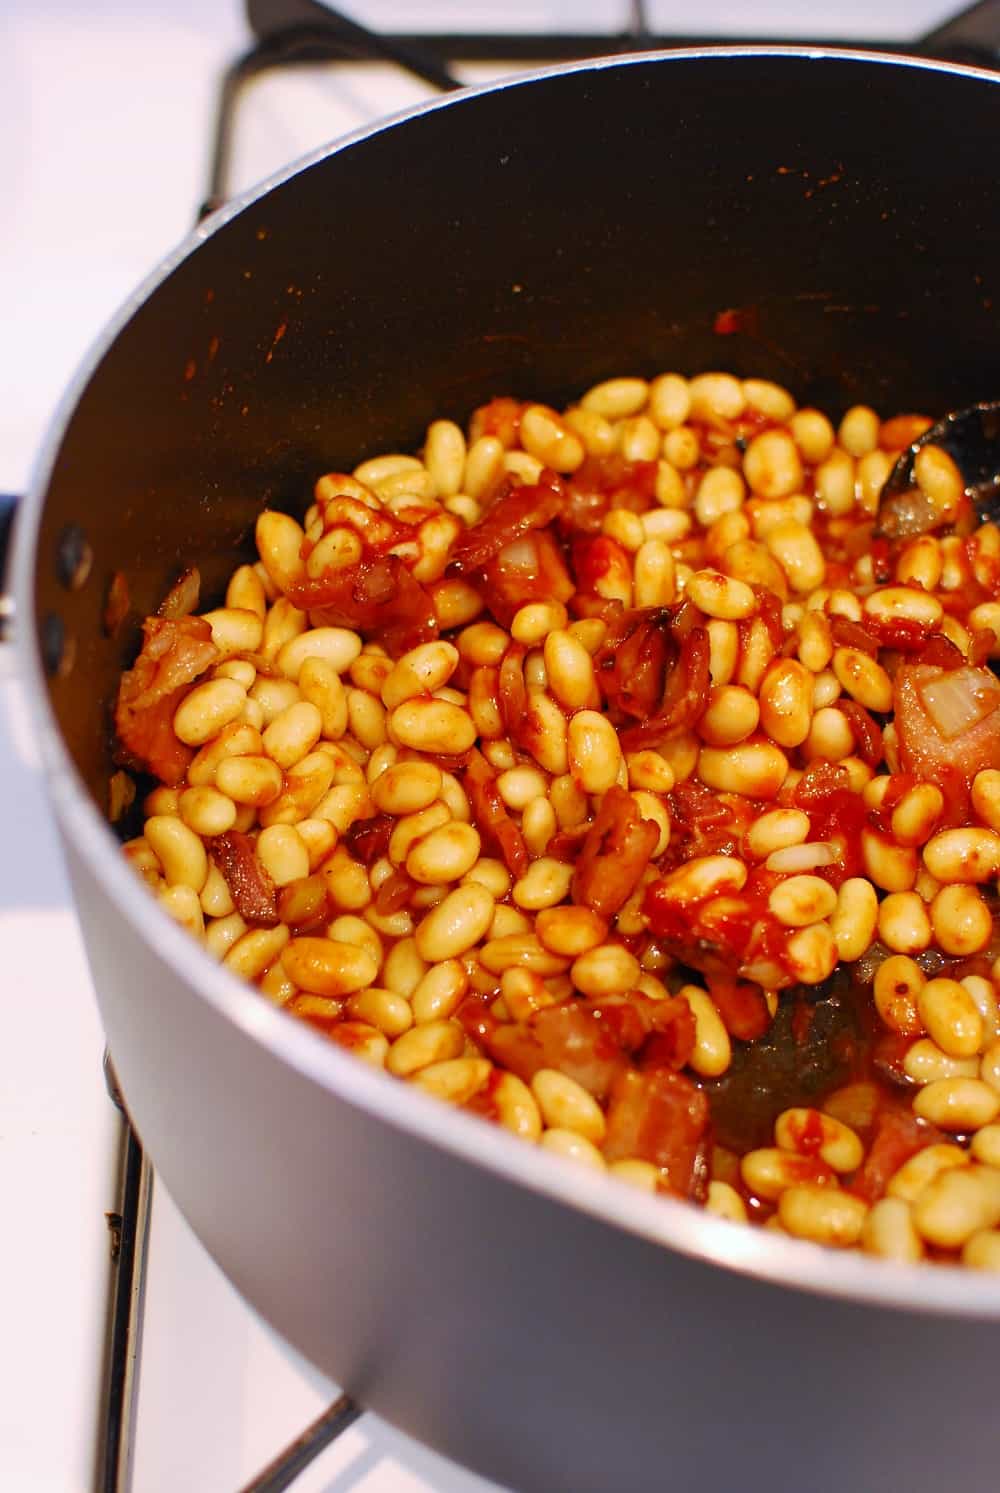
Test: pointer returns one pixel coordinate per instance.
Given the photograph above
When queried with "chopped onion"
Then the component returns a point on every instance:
(960, 699)
(521, 554)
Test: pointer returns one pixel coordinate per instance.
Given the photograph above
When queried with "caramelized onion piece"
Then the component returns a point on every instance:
(175, 652)
(924, 749)
(182, 598)
(653, 667)
(500, 834)
(378, 596)
(615, 852)
(514, 512)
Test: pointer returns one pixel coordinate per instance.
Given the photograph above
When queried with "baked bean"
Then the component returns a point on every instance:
(889, 1233)
(854, 918)
(730, 716)
(606, 969)
(970, 854)
(430, 725)
(986, 797)
(786, 702)
(183, 905)
(891, 867)
(811, 954)
(985, 1146)
(956, 1204)
(256, 950)
(811, 1133)
(981, 1250)
(382, 1009)
(566, 1105)
(903, 603)
(421, 671)
(951, 1017)
(801, 900)
(958, 1104)
(937, 475)
(724, 1201)
(547, 439)
(445, 854)
(909, 1181)
(179, 851)
(772, 465)
(896, 988)
(325, 966)
(917, 813)
(769, 1171)
(863, 679)
(903, 924)
(989, 1069)
(755, 768)
(824, 1215)
(207, 709)
(595, 757)
(456, 924)
(720, 596)
(712, 1052)
(431, 1042)
(573, 1147)
(797, 552)
(925, 1062)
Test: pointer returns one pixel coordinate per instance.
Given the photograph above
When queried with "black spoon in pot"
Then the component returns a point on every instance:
(971, 437)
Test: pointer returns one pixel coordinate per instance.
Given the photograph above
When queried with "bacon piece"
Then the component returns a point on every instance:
(898, 1136)
(704, 822)
(378, 597)
(615, 852)
(499, 832)
(500, 417)
(867, 733)
(742, 1007)
(653, 666)
(513, 690)
(661, 1117)
(848, 634)
(671, 1044)
(514, 513)
(394, 893)
(250, 885)
(368, 839)
(950, 762)
(574, 1039)
(941, 653)
(603, 483)
(174, 654)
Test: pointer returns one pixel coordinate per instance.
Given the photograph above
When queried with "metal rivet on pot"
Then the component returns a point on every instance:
(58, 649)
(74, 557)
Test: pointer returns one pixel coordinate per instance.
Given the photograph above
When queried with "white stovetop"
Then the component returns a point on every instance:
(104, 118)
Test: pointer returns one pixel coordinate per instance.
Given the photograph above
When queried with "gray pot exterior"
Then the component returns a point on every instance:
(545, 1348)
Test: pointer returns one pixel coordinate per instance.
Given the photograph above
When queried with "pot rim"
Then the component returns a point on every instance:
(673, 1223)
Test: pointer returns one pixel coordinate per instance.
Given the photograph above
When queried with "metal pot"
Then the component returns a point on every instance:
(549, 1327)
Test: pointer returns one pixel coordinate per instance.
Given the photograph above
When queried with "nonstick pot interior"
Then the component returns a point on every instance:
(529, 239)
